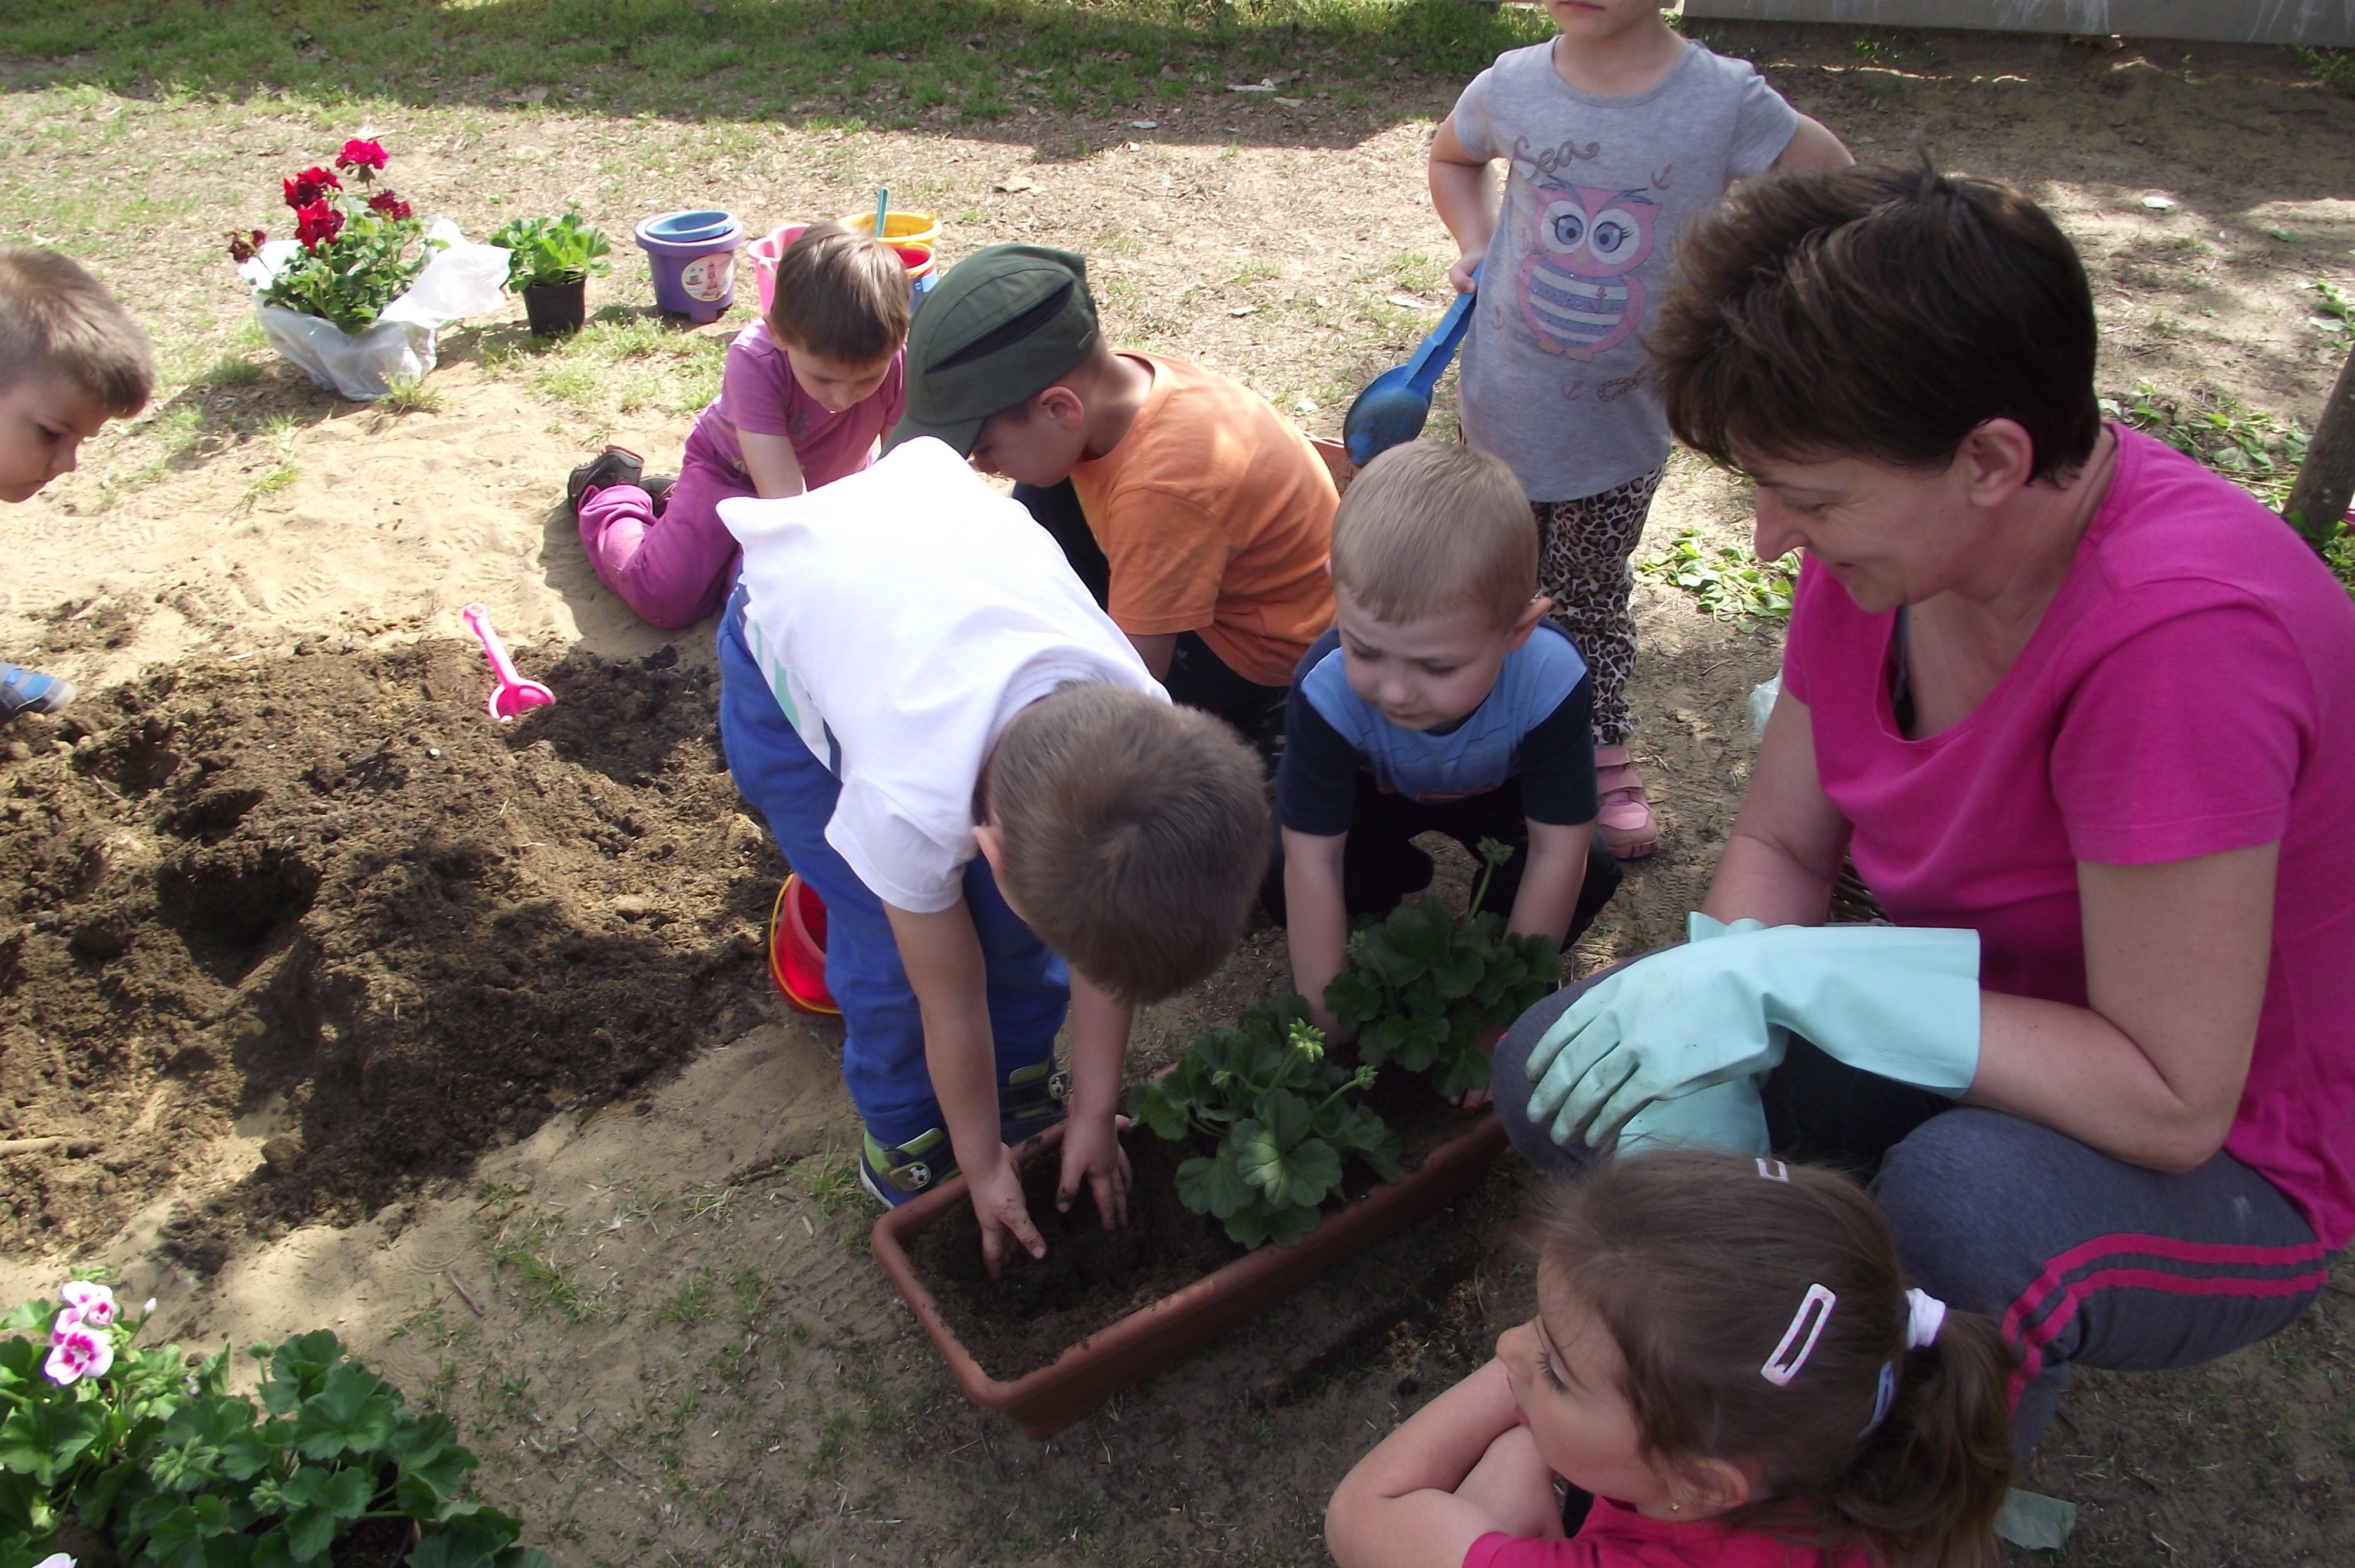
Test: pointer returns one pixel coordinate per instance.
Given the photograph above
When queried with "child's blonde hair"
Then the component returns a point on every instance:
(1136, 834)
(1426, 528)
(841, 296)
(58, 320)
(1702, 1265)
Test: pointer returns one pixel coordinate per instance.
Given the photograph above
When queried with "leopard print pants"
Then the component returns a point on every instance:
(1586, 551)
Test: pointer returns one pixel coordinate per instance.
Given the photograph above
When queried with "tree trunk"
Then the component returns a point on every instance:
(2318, 501)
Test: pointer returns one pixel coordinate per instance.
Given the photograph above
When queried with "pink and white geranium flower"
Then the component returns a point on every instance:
(77, 1351)
(89, 1303)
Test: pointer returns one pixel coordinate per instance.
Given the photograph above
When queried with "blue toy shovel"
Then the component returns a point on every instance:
(1395, 404)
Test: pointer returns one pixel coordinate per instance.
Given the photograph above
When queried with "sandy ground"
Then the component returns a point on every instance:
(652, 1311)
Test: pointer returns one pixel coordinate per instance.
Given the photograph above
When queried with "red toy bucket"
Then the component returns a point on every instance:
(797, 948)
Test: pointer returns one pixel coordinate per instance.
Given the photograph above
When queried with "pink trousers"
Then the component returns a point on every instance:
(674, 569)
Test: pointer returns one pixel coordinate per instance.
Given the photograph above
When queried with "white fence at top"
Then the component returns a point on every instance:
(2321, 23)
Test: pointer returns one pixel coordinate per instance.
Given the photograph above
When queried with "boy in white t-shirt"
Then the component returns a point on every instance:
(929, 708)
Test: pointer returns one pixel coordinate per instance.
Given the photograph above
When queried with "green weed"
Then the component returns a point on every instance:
(832, 1180)
(691, 1303)
(829, 1443)
(524, 1242)
(410, 396)
(2335, 68)
(751, 1292)
(1729, 581)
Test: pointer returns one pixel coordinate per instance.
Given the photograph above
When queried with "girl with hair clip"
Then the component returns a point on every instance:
(1727, 1370)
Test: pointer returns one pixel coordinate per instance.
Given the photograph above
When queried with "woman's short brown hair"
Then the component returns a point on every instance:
(1136, 832)
(841, 296)
(1882, 311)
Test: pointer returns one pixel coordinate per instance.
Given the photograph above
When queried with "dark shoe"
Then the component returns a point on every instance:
(1030, 1102)
(24, 691)
(615, 465)
(658, 489)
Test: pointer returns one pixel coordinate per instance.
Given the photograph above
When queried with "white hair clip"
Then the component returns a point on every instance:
(1773, 1170)
(1924, 1315)
(1814, 1311)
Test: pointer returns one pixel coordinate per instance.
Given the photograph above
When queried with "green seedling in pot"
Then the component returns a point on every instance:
(1285, 1117)
(543, 252)
(1424, 984)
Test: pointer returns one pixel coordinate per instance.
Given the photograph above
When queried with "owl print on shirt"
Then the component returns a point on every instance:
(1579, 293)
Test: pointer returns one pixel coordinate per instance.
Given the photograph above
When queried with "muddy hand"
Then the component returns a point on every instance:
(1091, 1151)
(997, 1204)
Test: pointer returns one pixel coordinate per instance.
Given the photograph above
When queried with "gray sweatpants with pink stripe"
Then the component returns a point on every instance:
(2083, 1258)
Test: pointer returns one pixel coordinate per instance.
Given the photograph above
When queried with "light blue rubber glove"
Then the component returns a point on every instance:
(1898, 1001)
(1724, 1117)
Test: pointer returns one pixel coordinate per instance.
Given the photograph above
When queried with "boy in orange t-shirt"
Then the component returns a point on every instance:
(1198, 516)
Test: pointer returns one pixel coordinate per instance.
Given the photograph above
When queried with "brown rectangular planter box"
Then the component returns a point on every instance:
(1151, 1338)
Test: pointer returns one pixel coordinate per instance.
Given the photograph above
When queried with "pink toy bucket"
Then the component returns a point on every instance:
(922, 269)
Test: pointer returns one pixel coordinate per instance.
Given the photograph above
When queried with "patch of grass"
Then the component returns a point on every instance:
(2335, 68)
(858, 61)
(691, 1303)
(832, 1180)
(829, 1443)
(1729, 581)
(749, 1291)
(273, 479)
(410, 395)
(524, 1242)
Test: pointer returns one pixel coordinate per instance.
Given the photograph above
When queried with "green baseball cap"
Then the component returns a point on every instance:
(1005, 321)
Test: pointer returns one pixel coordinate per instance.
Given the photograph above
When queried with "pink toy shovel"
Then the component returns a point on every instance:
(513, 694)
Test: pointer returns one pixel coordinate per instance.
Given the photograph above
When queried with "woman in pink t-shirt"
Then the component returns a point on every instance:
(805, 393)
(2083, 716)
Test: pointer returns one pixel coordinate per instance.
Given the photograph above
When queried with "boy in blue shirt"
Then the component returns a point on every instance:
(1442, 701)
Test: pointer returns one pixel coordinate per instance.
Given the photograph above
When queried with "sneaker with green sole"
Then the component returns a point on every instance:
(892, 1175)
(1030, 1101)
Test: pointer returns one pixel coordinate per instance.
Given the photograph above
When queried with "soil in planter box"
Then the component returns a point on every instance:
(371, 1543)
(1091, 1278)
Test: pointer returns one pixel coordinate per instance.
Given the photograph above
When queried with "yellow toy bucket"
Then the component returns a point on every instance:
(900, 228)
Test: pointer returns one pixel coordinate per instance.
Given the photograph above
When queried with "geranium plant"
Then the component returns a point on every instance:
(148, 1450)
(360, 248)
(543, 252)
(1423, 985)
(1285, 1117)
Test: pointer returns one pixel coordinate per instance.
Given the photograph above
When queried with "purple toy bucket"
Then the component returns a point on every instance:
(694, 259)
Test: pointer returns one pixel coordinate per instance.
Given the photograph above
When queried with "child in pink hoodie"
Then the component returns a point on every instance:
(807, 391)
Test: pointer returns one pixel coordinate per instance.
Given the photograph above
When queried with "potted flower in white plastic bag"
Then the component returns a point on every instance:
(357, 295)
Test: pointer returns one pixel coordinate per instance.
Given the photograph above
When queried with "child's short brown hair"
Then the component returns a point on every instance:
(1426, 528)
(1878, 312)
(58, 320)
(1701, 1265)
(841, 296)
(1136, 835)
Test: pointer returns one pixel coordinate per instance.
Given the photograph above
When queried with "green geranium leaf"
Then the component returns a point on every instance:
(1288, 1226)
(351, 1414)
(298, 1368)
(1153, 1108)
(37, 1313)
(44, 1440)
(428, 1452)
(1213, 1187)
(476, 1540)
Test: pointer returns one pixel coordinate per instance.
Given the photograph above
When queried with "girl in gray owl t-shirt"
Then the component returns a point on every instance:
(1613, 135)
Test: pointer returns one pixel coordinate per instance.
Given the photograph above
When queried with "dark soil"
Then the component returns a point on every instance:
(327, 901)
(371, 1543)
(1091, 1277)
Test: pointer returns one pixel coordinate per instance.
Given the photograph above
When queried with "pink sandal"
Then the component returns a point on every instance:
(1628, 828)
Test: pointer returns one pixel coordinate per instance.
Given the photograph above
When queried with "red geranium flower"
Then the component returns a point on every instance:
(318, 224)
(308, 187)
(389, 204)
(363, 156)
(244, 242)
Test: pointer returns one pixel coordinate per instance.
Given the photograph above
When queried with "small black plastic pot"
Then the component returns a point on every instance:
(557, 309)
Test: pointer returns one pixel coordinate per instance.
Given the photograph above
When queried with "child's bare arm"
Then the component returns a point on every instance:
(770, 460)
(941, 954)
(1399, 1508)
(1813, 147)
(1513, 1485)
(1462, 194)
(1316, 922)
(1092, 1152)
(1550, 884)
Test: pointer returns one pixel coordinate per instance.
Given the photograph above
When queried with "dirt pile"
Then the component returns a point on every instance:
(324, 901)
